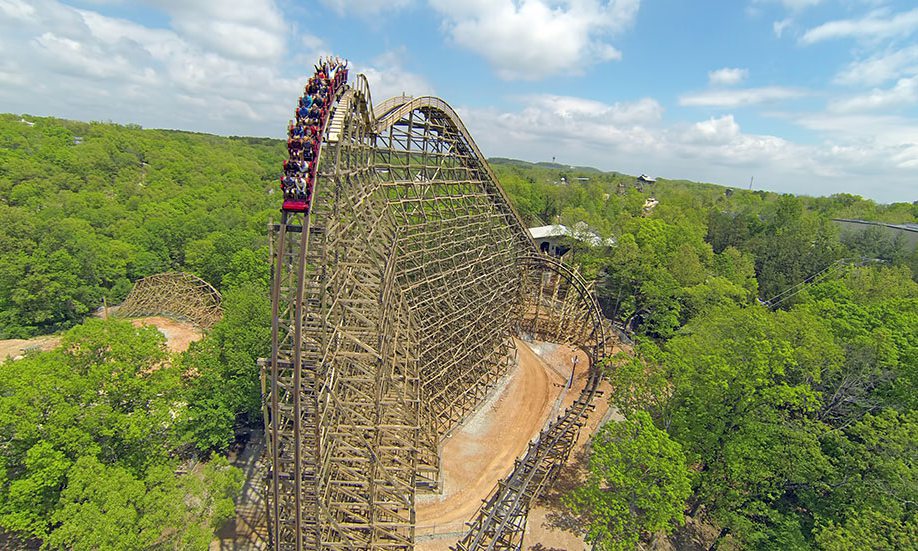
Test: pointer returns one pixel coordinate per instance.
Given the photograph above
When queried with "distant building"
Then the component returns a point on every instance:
(644, 180)
(552, 239)
(908, 231)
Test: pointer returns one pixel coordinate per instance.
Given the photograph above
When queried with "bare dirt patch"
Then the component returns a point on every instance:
(179, 334)
(16, 348)
(482, 450)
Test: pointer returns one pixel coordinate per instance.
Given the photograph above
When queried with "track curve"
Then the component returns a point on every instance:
(394, 298)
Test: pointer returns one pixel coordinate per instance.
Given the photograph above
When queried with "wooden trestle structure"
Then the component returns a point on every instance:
(175, 294)
(394, 303)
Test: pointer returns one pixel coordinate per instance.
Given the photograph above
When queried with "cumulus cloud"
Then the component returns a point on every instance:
(246, 29)
(878, 24)
(727, 76)
(81, 64)
(388, 77)
(626, 129)
(904, 93)
(634, 137)
(533, 39)
(739, 97)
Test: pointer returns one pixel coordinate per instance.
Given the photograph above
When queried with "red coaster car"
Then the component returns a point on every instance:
(296, 205)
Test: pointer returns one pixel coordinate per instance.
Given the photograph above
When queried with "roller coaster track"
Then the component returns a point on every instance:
(394, 300)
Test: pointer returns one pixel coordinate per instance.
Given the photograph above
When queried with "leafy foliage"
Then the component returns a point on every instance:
(638, 484)
(88, 434)
(81, 219)
(801, 424)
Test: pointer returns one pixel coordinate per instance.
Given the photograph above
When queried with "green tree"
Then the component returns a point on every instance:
(106, 507)
(638, 484)
(225, 389)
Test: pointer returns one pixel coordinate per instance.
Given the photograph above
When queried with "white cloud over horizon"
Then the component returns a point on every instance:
(860, 125)
(633, 137)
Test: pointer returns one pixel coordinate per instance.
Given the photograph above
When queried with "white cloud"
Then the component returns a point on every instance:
(880, 68)
(533, 39)
(643, 111)
(17, 9)
(739, 97)
(238, 29)
(903, 94)
(387, 77)
(870, 144)
(112, 69)
(365, 7)
(633, 137)
(879, 24)
(780, 26)
(727, 76)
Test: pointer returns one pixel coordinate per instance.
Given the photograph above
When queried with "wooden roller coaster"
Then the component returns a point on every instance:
(395, 297)
(176, 294)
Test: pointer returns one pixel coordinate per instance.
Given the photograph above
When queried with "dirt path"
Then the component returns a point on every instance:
(549, 526)
(483, 449)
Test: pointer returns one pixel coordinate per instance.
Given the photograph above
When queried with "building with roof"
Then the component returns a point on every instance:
(909, 231)
(554, 239)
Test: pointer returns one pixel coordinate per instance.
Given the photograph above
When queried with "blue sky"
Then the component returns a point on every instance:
(806, 96)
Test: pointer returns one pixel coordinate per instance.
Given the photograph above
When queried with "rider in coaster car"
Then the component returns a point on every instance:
(314, 113)
(297, 131)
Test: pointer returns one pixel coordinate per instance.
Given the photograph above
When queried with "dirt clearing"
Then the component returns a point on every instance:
(16, 348)
(179, 335)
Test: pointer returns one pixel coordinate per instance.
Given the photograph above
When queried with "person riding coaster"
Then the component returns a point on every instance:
(305, 132)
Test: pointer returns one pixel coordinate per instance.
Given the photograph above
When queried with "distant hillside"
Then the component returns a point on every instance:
(541, 164)
(836, 206)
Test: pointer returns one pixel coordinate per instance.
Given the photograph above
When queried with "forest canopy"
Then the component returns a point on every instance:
(771, 390)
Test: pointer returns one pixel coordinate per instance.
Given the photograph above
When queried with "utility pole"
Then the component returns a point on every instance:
(570, 381)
